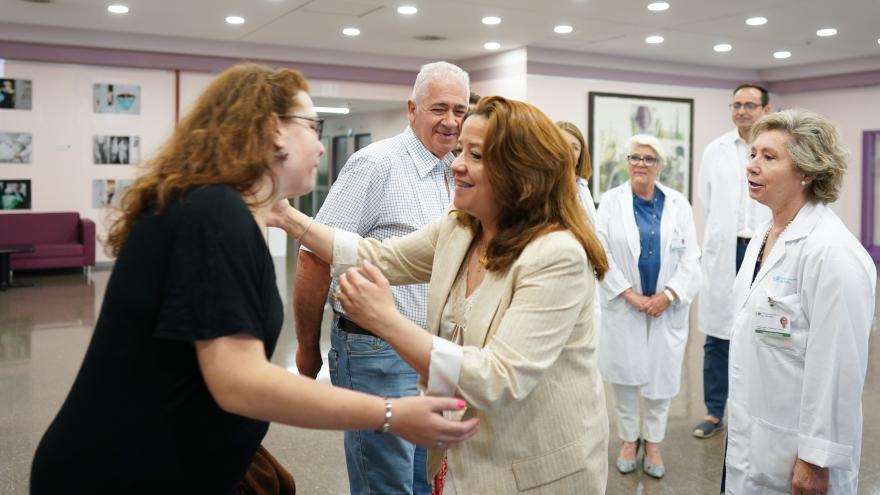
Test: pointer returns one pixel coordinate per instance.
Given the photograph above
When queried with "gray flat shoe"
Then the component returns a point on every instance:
(706, 428)
(654, 470)
(625, 466)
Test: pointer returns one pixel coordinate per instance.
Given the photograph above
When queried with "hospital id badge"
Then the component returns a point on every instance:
(678, 243)
(773, 324)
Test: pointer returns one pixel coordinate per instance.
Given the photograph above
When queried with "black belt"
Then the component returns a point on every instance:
(349, 326)
(743, 240)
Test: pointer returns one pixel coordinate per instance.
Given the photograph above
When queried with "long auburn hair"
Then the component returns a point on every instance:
(226, 138)
(531, 169)
(583, 166)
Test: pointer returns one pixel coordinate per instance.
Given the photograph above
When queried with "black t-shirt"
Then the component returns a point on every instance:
(139, 417)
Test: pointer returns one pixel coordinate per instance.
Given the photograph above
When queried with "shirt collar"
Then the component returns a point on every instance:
(424, 160)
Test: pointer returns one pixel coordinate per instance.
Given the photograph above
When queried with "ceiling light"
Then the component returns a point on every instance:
(722, 47)
(339, 110)
(563, 29)
(492, 45)
(234, 19)
(658, 6)
(407, 10)
(491, 20)
(117, 9)
(756, 21)
(781, 54)
(351, 31)
(654, 40)
(826, 32)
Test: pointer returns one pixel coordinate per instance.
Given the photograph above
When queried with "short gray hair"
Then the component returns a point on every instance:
(437, 72)
(814, 147)
(649, 141)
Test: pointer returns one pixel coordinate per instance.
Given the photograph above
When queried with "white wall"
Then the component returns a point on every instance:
(380, 125)
(63, 124)
(852, 111)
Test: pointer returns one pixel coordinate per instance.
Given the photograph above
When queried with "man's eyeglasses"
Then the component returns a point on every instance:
(748, 106)
(317, 121)
(650, 161)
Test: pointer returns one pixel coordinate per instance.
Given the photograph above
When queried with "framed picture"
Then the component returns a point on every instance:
(117, 98)
(15, 194)
(106, 192)
(15, 94)
(15, 147)
(116, 150)
(614, 118)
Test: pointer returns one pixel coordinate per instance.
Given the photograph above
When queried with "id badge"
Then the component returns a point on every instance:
(774, 324)
(678, 243)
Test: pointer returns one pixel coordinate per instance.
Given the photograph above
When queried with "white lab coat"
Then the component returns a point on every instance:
(800, 396)
(720, 170)
(632, 349)
(586, 199)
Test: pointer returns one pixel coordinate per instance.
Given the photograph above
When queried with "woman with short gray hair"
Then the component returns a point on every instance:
(649, 237)
(804, 306)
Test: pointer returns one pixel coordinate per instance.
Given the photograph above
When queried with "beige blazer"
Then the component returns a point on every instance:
(529, 365)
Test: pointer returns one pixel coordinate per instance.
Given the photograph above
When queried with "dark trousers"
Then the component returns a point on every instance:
(715, 353)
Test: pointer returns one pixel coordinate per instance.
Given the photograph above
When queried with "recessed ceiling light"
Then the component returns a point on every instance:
(756, 21)
(563, 29)
(351, 31)
(826, 32)
(722, 47)
(492, 45)
(234, 19)
(407, 10)
(781, 54)
(337, 110)
(117, 9)
(491, 20)
(654, 40)
(658, 6)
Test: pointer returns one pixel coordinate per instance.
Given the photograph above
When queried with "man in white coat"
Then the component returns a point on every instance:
(732, 218)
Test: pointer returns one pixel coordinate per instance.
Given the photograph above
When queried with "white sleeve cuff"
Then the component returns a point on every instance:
(823, 453)
(345, 251)
(445, 368)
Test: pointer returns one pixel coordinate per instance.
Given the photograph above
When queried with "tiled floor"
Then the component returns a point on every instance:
(44, 331)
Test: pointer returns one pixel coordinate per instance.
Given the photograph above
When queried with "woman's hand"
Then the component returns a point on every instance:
(278, 215)
(366, 298)
(635, 299)
(656, 305)
(419, 420)
(808, 479)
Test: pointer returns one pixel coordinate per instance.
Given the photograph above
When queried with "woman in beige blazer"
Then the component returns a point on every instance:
(512, 272)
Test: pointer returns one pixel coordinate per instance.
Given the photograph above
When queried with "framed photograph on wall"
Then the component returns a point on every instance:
(15, 94)
(15, 194)
(117, 98)
(107, 192)
(614, 118)
(15, 147)
(116, 150)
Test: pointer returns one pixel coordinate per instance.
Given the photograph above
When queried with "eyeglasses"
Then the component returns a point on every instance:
(319, 122)
(650, 161)
(748, 106)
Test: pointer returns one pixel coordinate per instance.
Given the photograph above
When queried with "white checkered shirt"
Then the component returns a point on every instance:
(389, 189)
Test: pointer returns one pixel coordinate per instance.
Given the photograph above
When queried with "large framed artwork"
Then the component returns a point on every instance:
(614, 118)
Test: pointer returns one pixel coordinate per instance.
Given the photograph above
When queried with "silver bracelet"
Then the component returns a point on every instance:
(306, 230)
(386, 426)
(669, 295)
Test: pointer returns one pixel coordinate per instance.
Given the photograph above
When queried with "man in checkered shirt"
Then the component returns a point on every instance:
(388, 189)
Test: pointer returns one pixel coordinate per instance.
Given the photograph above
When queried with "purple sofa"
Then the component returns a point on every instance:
(60, 240)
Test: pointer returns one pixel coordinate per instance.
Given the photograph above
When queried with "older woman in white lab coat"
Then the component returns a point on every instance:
(805, 301)
(654, 274)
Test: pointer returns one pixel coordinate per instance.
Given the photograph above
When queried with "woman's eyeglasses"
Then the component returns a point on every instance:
(318, 122)
(650, 161)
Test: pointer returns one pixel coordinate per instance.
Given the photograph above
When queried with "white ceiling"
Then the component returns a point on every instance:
(606, 27)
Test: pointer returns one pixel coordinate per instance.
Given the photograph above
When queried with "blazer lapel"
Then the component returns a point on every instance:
(450, 255)
(484, 308)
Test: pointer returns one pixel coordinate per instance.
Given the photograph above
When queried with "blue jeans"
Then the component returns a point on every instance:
(377, 463)
(715, 354)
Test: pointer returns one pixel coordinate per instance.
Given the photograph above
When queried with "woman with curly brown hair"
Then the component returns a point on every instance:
(512, 271)
(176, 389)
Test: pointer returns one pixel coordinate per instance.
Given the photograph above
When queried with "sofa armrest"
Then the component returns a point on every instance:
(87, 239)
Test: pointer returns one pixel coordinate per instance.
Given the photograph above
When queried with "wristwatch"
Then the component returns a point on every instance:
(669, 295)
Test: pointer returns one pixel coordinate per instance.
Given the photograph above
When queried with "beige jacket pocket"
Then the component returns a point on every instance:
(546, 468)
